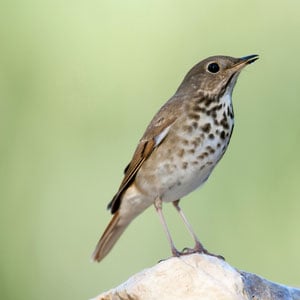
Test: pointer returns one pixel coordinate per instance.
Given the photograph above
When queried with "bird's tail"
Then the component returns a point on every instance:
(110, 236)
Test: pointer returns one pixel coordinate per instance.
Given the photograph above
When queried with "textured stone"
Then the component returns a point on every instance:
(198, 276)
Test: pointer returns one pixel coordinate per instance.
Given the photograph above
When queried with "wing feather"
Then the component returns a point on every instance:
(144, 149)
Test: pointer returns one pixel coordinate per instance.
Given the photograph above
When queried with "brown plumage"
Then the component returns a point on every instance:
(179, 149)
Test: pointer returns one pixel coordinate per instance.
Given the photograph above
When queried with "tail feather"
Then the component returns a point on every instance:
(110, 236)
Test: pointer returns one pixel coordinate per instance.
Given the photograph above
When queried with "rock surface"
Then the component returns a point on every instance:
(198, 276)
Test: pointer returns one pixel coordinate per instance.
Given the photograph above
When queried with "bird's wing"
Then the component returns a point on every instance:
(154, 135)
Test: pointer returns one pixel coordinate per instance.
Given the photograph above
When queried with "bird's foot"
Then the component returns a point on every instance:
(214, 255)
(198, 249)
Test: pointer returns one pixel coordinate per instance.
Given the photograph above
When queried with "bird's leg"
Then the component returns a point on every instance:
(158, 207)
(198, 245)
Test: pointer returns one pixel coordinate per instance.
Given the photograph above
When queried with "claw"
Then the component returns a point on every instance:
(186, 251)
(198, 249)
(214, 255)
(176, 253)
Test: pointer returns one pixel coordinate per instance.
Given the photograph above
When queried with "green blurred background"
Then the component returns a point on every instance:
(80, 80)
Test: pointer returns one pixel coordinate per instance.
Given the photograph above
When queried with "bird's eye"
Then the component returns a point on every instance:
(213, 68)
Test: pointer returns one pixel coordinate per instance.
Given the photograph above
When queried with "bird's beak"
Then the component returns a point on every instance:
(244, 61)
(249, 59)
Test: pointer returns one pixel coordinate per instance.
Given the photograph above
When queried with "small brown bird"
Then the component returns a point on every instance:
(179, 149)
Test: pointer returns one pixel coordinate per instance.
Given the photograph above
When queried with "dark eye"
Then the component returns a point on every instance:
(213, 68)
